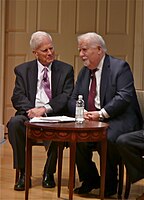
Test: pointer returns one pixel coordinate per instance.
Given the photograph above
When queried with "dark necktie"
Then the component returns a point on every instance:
(92, 92)
(46, 83)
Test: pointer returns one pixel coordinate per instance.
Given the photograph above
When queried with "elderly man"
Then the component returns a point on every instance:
(107, 86)
(42, 88)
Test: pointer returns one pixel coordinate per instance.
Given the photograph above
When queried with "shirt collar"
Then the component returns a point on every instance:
(100, 65)
(41, 67)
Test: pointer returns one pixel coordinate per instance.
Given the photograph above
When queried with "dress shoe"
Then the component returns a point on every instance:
(20, 185)
(48, 181)
(86, 187)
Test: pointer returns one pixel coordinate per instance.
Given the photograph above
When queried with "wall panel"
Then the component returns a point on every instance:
(116, 16)
(64, 20)
(48, 15)
(16, 14)
(20, 23)
(86, 11)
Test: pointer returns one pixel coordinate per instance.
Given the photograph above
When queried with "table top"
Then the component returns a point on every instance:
(86, 125)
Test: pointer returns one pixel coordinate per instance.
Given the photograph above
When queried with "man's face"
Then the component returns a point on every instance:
(90, 56)
(45, 52)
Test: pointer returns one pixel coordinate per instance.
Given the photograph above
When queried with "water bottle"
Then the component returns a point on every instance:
(79, 113)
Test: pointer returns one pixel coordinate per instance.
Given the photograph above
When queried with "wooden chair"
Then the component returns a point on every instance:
(140, 96)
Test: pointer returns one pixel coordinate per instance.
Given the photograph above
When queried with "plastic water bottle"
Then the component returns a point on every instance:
(79, 113)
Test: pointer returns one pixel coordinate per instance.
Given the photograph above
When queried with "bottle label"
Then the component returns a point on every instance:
(79, 114)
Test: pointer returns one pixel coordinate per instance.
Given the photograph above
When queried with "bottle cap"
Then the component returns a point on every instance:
(80, 96)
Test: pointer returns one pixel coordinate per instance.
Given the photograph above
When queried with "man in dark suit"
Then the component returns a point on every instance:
(30, 99)
(114, 102)
(131, 149)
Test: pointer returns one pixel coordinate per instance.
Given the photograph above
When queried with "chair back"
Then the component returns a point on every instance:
(140, 96)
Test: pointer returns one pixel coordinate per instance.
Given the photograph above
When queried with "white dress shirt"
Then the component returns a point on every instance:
(41, 97)
(98, 81)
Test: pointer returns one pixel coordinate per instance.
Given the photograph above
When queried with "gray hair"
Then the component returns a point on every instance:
(94, 39)
(37, 38)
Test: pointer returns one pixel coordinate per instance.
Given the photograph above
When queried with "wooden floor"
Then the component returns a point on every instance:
(7, 177)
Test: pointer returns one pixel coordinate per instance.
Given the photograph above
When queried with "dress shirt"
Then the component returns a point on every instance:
(41, 97)
(98, 80)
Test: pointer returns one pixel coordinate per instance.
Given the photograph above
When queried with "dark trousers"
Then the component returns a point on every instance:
(87, 169)
(17, 139)
(131, 149)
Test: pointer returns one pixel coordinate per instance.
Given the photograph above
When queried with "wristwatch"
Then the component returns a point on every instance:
(101, 116)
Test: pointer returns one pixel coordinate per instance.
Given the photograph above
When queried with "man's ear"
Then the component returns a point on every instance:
(99, 50)
(35, 53)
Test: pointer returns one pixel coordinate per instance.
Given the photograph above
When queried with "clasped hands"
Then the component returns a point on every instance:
(93, 115)
(36, 112)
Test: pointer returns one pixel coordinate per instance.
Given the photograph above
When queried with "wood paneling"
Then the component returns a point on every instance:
(48, 16)
(86, 16)
(64, 20)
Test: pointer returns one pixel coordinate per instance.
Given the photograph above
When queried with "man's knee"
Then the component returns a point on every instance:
(122, 139)
(16, 121)
(16, 126)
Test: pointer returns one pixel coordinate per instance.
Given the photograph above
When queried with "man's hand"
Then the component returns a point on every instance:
(94, 115)
(36, 112)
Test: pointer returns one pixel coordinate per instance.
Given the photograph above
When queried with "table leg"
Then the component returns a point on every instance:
(28, 163)
(103, 167)
(60, 157)
(72, 169)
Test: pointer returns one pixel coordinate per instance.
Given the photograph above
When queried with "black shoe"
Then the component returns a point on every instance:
(86, 187)
(20, 185)
(48, 181)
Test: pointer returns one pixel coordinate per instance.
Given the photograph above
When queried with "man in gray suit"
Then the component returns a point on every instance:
(114, 102)
(31, 100)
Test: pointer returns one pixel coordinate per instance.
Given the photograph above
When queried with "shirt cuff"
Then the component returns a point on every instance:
(48, 108)
(104, 113)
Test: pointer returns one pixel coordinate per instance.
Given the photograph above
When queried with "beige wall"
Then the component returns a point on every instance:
(139, 45)
(2, 38)
(120, 22)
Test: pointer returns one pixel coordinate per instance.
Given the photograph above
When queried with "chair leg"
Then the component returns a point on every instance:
(121, 177)
(127, 188)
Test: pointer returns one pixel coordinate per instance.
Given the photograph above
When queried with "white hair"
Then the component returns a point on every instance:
(93, 39)
(37, 38)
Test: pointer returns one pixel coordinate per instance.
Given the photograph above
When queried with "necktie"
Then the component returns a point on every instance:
(46, 83)
(92, 92)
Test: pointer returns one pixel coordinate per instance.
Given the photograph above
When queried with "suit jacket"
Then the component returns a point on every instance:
(24, 93)
(117, 96)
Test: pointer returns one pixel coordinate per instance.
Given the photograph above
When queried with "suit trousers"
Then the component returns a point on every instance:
(87, 169)
(131, 148)
(17, 139)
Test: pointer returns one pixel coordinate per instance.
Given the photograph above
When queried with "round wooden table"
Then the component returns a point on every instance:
(72, 132)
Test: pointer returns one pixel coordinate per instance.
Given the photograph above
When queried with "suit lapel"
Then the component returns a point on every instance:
(55, 77)
(104, 79)
(32, 77)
